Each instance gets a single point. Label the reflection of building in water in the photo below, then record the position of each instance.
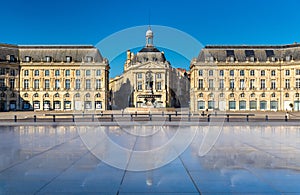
(251, 146)
(149, 80)
(246, 78)
(54, 77)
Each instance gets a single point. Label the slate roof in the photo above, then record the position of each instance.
(58, 53)
(246, 52)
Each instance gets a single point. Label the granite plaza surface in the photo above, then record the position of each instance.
(244, 160)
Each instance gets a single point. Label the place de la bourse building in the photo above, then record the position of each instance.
(41, 77)
(246, 78)
(149, 81)
(57, 77)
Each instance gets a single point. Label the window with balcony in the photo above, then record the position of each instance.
(158, 86)
(210, 83)
(67, 84)
(262, 84)
(231, 83)
(47, 84)
(139, 86)
(77, 84)
(25, 84)
(273, 84)
(200, 84)
(98, 84)
(36, 84)
(287, 83)
(88, 84)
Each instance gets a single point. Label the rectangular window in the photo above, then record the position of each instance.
(242, 83)
(47, 72)
(36, 73)
(252, 73)
(47, 84)
(200, 72)
(57, 84)
(211, 73)
(242, 105)
(26, 84)
(88, 84)
(77, 84)
(201, 105)
(67, 84)
(158, 86)
(221, 84)
(252, 83)
(26, 72)
(139, 75)
(98, 72)
(232, 105)
(98, 84)
(36, 84)
(273, 84)
(77, 72)
(273, 73)
(287, 72)
(231, 84)
(297, 71)
(12, 83)
(253, 105)
(88, 73)
(140, 86)
(231, 73)
(68, 73)
(262, 84)
(242, 73)
(200, 84)
(57, 72)
(287, 83)
(211, 104)
(2, 83)
(221, 73)
(159, 75)
(210, 83)
(12, 72)
(273, 105)
(298, 83)
(263, 105)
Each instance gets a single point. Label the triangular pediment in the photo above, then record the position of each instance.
(150, 65)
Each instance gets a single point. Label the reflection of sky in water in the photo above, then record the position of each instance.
(251, 160)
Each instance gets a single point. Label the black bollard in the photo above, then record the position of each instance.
(247, 118)
(189, 116)
(267, 118)
(135, 113)
(176, 113)
(93, 117)
(162, 113)
(131, 118)
(286, 118)
(150, 116)
(15, 118)
(73, 118)
(53, 118)
(227, 117)
(170, 119)
(111, 117)
(208, 118)
(34, 118)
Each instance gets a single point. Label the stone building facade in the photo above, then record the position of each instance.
(55, 78)
(149, 81)
(246, 78)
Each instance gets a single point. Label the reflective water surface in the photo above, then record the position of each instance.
(55, 160)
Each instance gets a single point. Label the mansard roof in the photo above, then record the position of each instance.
(58, 53)
(245, 52)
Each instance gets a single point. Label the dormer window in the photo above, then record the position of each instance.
(48, 58)
(288, 58)
(27, 59)
(68, 59)
(89, 58)
(250, 55)
(10, 58)
(230, 55)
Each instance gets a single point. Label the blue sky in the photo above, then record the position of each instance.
(210, 22)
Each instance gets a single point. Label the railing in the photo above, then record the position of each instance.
(163, 116)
